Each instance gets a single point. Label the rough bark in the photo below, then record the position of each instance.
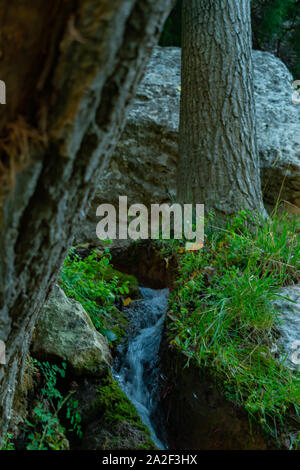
(218, 158)
(71, 68)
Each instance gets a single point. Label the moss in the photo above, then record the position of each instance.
(121, 426)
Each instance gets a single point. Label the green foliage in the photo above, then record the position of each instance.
(46, 431)
(171, 35)
(275, 12)
(93, 283)
(7, 443)
(222, 315)
(274, 22)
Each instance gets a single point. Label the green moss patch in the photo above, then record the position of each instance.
(121, 426)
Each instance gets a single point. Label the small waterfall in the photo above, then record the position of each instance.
(137, 366)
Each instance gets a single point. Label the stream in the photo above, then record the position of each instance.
(137, 366)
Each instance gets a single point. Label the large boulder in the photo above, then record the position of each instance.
(65, 331)
(289, 327)
(278, 130)
(144, 163)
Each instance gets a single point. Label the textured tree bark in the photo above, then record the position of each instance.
(71, 69)
(218, 158)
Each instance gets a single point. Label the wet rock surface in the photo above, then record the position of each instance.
(198, 416)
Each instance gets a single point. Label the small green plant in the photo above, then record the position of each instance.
(46, 430)
(91, 281)
(7, 443)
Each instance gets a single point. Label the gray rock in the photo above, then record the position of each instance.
(144, 164)
(64, 330)
(278, 129)
(289, 327)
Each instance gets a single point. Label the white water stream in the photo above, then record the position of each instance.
(137, 369)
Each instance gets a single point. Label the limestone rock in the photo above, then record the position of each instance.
(278, 129)
(289, 327)
(64, 330)
(144, 163)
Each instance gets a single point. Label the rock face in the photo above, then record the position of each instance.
(289, 327)
(198, 415)
(65, 331)
(66, 131)
(144, 163)
(278, 129)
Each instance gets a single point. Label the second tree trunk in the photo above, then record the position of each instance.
(218, 157)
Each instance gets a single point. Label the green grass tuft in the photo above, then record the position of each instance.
(223, 319)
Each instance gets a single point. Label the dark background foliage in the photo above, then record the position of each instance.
(276, 28)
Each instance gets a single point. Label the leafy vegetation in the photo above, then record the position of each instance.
(277, 28)
(53, 415)
(93, 282)
(222, 315)
(8, 443)
(275, 24)
(45, 429)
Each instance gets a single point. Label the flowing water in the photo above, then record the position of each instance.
(137, 367)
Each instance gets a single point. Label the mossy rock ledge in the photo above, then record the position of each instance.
(110, 421)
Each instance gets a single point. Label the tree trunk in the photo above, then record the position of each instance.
(218, 157)
(71, 69)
